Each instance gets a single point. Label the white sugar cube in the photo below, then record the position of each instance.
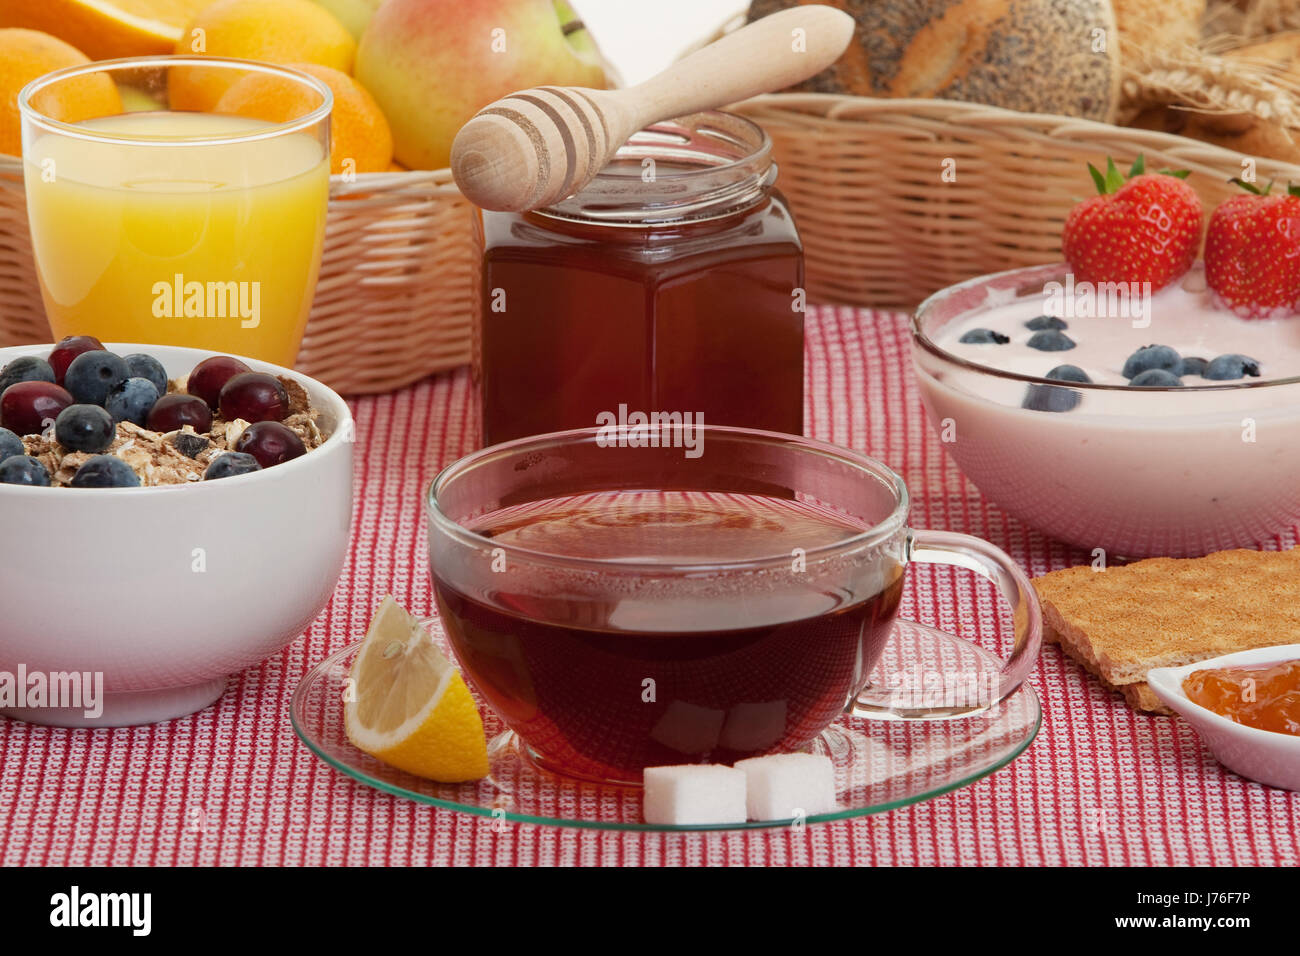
(694, 795)
(783, 786)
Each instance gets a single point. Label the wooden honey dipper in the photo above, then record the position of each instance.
(538, 146)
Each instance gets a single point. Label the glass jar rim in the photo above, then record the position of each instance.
(77, 131)
(706, 190)
(877, 533)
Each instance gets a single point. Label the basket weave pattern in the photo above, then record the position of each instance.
(22, 315)
(865, 178)
(393, 303)
(882, 228)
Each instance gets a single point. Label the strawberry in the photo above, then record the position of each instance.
(1146, 228)
(1252, 252)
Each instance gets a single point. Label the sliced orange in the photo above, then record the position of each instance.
(106, 29)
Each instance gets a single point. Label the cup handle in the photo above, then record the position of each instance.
(974, 554)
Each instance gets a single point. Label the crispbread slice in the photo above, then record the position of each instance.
(1138, 695)
(1164, 612)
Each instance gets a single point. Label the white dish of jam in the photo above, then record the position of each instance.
(1245, 706)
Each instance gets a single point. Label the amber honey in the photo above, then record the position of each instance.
(673, 284)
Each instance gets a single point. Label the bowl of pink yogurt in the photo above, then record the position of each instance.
(1201, 455)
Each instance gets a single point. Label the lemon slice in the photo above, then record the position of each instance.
(408, 705)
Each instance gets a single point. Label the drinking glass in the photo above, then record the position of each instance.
(157, 224)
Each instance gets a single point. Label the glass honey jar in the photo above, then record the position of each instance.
(672, 283)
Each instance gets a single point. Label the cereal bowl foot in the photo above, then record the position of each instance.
(127, 709)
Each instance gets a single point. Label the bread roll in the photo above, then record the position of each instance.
(1041, 56)
(1157, 25)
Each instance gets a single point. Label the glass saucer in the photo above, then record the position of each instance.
(880, 764)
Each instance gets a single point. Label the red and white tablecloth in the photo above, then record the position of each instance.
(232, 784)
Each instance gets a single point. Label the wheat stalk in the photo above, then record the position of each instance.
(1195, 80)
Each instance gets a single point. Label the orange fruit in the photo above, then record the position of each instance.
(271, 31)
(27, 54)
(358, 130)
(106, 29)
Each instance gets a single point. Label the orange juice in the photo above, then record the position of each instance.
(185, 241)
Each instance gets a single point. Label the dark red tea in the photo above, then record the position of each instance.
(576, 318)
(603, 675)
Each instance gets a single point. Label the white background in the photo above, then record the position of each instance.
(641, 37)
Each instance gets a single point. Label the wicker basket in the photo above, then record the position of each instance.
(882, 228)
(880, 224)
(394, 299)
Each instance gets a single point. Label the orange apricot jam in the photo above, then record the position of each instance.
(1266, 696)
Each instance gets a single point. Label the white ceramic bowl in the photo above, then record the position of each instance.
(166, 591)
(1262, 755)
(1137, 472)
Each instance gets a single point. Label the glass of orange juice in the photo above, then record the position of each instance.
(155, 222)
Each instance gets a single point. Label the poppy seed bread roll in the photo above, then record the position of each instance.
(1039, 56)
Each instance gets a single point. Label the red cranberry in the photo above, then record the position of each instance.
(254, 397)
(25, 408)
(173, 412)
(68, 349)
(270, 443)
(210, 375)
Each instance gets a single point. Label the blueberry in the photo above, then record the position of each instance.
(1068, 373)
(146, 366)
(1050, 340)
(1050, 398)
(26, 368)
(229, 464)
(105, 471)
(1193, 366)
(984, 337)
(1227, 367)
(132, 400)
(1046, 322)
(10, 444)
(22, 470)
(1153, 357)
(92, 375)
(85, 428)
(1155, 378)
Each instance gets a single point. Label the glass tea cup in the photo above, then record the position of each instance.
(156, 218)
(679, 594)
